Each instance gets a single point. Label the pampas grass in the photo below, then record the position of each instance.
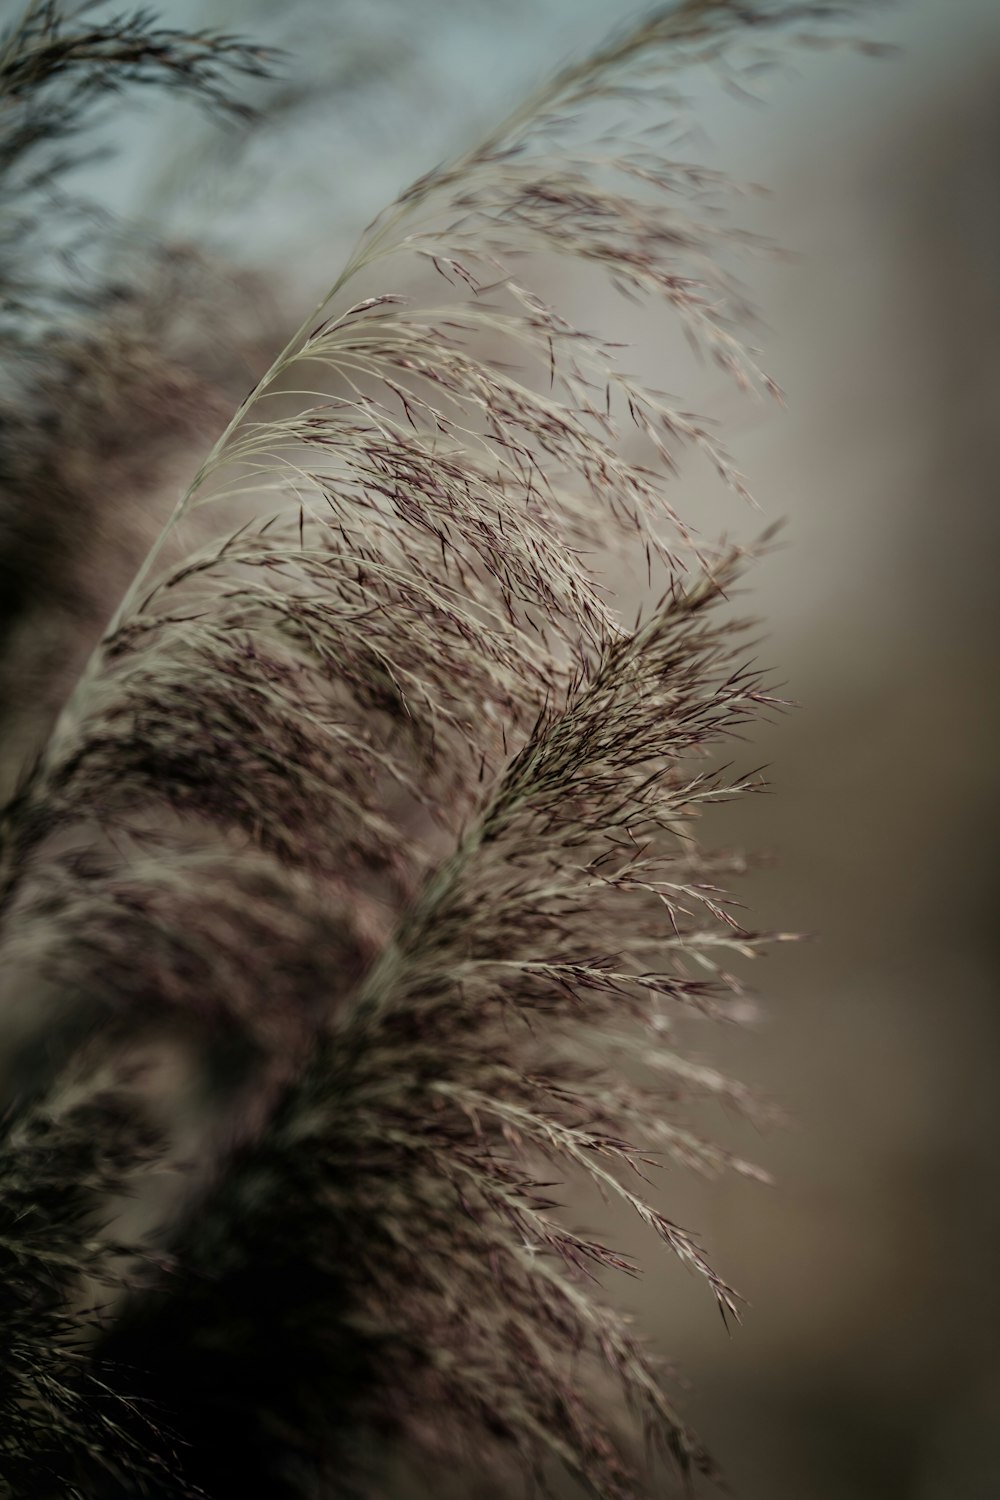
(366, 841)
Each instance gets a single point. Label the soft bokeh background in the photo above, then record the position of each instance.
(869, 1361)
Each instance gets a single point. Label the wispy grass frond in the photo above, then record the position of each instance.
(370, 791)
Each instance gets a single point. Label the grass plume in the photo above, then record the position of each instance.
(372, 813)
